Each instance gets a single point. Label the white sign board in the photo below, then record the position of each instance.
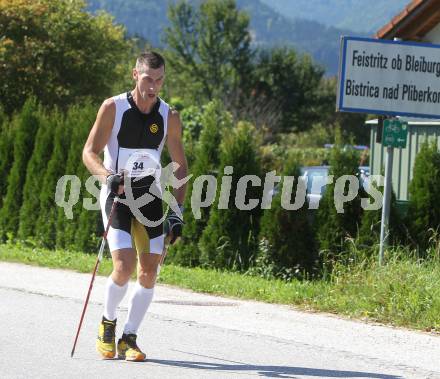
(389, 77)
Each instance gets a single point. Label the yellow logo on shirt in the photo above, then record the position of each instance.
(154, 128)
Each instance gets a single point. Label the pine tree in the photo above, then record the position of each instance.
(46, 226)
(214, 120)
(3, 118)
(88, 223)
(286, 235)
(27, 123)
(424, 195)
(35, 172)
(333, 228)
(6, 152)
(369, 232)
(230, 239)
(79, 120)
(89, 231)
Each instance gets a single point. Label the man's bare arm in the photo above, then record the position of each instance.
(175, 148)
(98, 138)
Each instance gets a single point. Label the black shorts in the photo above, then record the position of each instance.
(143, 225)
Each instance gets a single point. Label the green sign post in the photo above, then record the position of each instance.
(394, 133)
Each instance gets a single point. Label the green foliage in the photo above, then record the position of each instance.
(369, 231)
(192, 125)
(89, 230)
(56, 51)
(311, 156)
(26, 125)
(3, 119)
(75, 233)
(6, 153)
(29, 202)
(289, 82)
(351, 125)
(45, 228)
(283, 250)
(209, 48)
(192, 122)
(230, 240)
(317, 136)
(275, 155)
(424, 194)
(334, 228)
(34, 174)
(212, 122)
(88, 223)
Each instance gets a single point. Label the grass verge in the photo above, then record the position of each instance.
(405, 292)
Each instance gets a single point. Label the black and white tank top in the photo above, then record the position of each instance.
(137, 138)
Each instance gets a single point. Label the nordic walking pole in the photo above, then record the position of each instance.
(98, 261)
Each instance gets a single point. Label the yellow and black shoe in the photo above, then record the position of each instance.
(105, 343)
(128, 349)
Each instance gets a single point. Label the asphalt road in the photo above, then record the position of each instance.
(190, 335)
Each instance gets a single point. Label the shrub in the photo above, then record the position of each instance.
(286, 236)
(35, 172)
(45, 230)
(79, 120)
(6, 153)
(214, 119)
(369, 232)
(333, 228)
(230, 240)
(26, 124)
(424, 194)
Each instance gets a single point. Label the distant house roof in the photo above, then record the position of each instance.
(417, 19)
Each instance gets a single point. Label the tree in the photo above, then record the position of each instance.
(89, 230)
(286, 238)
(352, 125)
(56, 51)
(424, 194)
(192, 126)
(213, 121)
(26, 126)
(6, 153)
(45, 230)
(209, 47)
(79, 120)
(369, 232)
(289, 82)
(3, 119)
(230, 239)
(333, 228)
(35, 171)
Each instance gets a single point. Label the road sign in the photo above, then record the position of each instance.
(394, 78)
(395, 133)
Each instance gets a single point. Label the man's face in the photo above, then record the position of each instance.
(149, 81)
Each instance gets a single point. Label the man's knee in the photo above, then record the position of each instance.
(123, 268)
(148, 272)
(147, 275)
(122, 271)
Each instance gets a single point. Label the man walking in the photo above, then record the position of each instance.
(132, 129)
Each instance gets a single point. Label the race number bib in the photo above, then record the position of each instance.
(139, 162)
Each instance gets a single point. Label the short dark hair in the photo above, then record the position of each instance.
(151, 59)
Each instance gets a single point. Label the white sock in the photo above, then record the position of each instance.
(113, 296)
(139, 303)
